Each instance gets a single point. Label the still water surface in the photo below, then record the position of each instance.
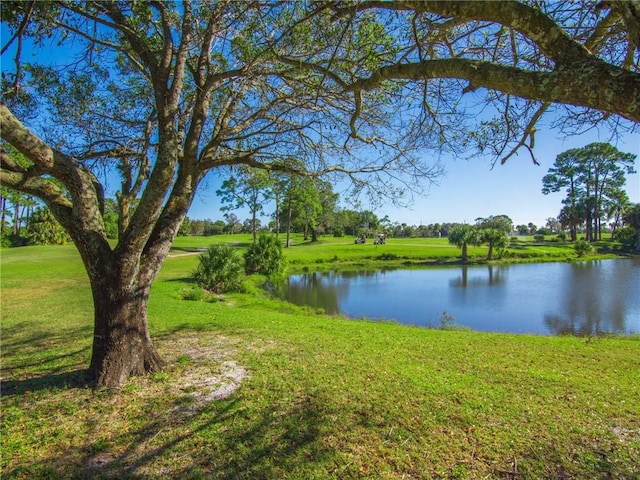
(549, 298)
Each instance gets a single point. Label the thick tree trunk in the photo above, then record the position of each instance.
(122, 345)
(574, 232)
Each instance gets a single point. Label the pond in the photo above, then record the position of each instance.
(583, 298)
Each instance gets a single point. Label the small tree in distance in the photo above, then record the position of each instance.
(246, 187)
(632, 219)
(582, 248)
(495, 238)
(593, 178)
(494, 231)
(44, 229)
(463, 235)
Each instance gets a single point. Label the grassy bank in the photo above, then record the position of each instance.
(338, 253)
(258, 389)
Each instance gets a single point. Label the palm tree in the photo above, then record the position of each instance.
(494, 238)
(463, 235)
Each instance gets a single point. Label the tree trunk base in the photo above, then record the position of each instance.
(124, 358)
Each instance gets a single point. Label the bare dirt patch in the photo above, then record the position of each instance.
(209, 371)
(627, 434)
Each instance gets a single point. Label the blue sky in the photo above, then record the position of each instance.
(472, 189)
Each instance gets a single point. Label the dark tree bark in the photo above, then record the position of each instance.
(122, 345)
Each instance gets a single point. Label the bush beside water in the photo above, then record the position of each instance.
(266, 256)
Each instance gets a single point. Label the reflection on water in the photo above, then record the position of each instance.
(495, 275)
(595, 300)
(557, 298)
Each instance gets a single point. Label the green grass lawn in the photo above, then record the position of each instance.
(257, 389)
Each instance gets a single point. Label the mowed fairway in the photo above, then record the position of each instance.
(257, 389)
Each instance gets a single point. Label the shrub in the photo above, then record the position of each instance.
(538, 238)
(196, 293)
(44, 229)
(266, 256)
(582, 248)
(219, 269)
(13, 240)
(627, 237)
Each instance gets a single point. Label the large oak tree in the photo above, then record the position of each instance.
(162, 93)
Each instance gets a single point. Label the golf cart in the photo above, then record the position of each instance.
(381, 240)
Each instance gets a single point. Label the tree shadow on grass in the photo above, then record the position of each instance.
(65, 380)
(220, 440)
(49, 358)
(28, 350)
(17, 336)
(303, 244)
(23, 332)
(187, 280)
(157, 426)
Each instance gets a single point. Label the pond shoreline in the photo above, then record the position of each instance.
(391, 261)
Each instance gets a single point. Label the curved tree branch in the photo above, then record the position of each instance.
(15, 133)
(579, 77)
(529, 21)
(79, 190)
(37, 186)
(568, 84)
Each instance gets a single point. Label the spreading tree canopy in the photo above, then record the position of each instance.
(578, 61)
(162, 93)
